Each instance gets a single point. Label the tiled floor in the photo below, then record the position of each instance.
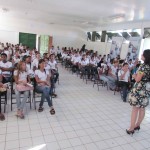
(86, 119)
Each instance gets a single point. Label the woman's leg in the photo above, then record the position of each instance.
(26, 95)
(140, 117)
(134, 115)
(40, 89)
(124, 89)
(46, 92)
(18, 100)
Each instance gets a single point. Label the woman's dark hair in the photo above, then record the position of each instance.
(40, 61)
(146, 55)
(125, 64)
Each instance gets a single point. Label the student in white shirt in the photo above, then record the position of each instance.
(131, 65)
(21, 78)
(75, 62)
(2, 117)
(112, 75)
(93, 65)
(43, 86)
(52, 50)
(29, 66)
(59, 51)
(35, 62)
(84, 65)
(6, 68)
(16, 57)
(124, 79)
(54, 73)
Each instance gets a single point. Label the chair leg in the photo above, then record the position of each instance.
(30, 99)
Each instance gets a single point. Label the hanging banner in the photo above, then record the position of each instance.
(116, 46)
(134, 47)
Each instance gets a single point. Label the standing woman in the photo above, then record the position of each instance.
(21, 77)
(43, 86)
(139, 95)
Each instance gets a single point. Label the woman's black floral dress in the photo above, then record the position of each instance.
(138, 95)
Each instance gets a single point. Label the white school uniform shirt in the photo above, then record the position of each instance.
(52, 64)
(29, 69)
(93, 62)
(35, 63)
(76, 59)
(42, 75)
(47, 67)
(113, 70)
(52, 51)
(16, 60)
(130, 65)
(22, 75)
(83, 62)
(8, 64)
(126, 77)
(59, 51)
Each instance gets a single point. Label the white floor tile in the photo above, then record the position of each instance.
(64, 144)
(75, 142)
(12, 145)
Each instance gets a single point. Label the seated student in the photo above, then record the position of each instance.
(124, 80)
(16, 57)
(2, 88)
(53, 67)
(6, 67)
(59, 51)
(102, 72)
(83, 65)
(36, 61)
(93, 65)
(75, 62)
(112, 75)
(47, 66)
(29, 66)
(21, 78)
(43, 86)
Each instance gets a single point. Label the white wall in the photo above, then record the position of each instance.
(68, 41)
(97, 46)
(108, 47)
(9, 36)
(62, 35)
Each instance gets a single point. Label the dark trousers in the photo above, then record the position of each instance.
(124, 86)
(46, 91)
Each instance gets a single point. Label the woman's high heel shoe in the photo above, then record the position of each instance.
(137, 128)
(130, 132)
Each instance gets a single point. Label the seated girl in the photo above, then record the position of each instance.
(21, 77)
(84, 65)
(43, 86)
(2, 89)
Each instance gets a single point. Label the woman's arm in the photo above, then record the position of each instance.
(38, 80)
(28, 79)
(138, 76)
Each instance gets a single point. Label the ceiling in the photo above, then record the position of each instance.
(83, 14)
